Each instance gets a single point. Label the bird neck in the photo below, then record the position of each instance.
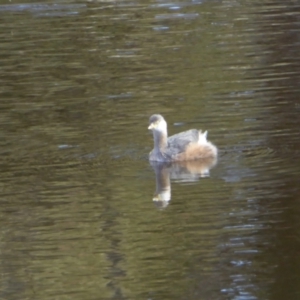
(160, 140)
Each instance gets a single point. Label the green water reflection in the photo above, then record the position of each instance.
(78, 84)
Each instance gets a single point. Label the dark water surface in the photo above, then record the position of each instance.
(78, 82)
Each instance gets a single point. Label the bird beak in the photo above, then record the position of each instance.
(150, 126)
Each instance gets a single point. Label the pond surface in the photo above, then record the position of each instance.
(78, 82)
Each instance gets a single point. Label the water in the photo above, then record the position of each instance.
(78, 82)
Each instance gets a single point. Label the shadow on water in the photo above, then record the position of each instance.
(78, 84)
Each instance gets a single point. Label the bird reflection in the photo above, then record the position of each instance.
(187, 171)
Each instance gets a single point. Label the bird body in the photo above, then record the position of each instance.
(188, 145)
